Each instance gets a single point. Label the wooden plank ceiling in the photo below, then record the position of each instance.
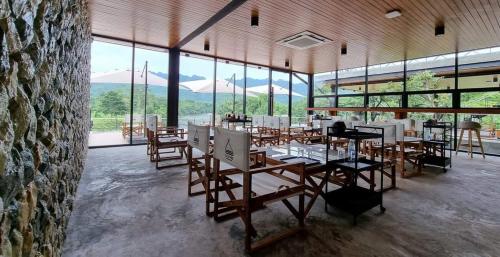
(370, 37)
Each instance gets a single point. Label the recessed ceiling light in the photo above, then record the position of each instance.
(393, 14)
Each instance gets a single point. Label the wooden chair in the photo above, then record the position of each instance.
(199, 159)
(393, 133)
(268, 134)
(261, 185)
(167, 141)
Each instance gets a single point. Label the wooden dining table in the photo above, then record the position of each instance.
(410, 150)
(316, 170)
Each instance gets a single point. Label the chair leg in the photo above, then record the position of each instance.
(247, 210)
(470, 143)
(459, 141)
(480, 143)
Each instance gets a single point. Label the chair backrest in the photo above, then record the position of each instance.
(409, 124)
(336, 118)
(310, 118)
(218, 121)
(316, 123)
(267, 121)
(152, 123)
(419, 126)
(272, 122)
(284, 122)
(325, 125)
(138, 118)
(393, 132)
(126, 118)
(199, 137)
(357, 123)
(232, 147)
(258, 120)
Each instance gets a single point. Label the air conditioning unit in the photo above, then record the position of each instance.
(304, 40)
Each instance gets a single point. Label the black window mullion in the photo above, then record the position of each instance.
(404, 98)
(132, 94)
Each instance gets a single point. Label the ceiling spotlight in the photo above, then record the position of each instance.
(343, 49)
(495, 79)
(439, 30)
(254, 21)
(393, 14)
(287, 63)
(206, 46)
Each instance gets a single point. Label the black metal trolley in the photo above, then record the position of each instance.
(437, 145)
(352, 198)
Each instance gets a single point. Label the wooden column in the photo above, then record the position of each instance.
(400, 115)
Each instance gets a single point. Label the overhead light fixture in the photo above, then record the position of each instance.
(393, 14)
(495, 79)
(287, 63)
(254, 21)
(206, 46)
(439, 30)
(343, 49)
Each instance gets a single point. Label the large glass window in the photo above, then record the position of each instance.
(229, 88)
(196, 90)
(351, 81)
(111, 80)
(324, 83)
(431, 73)
(441, 100)
(351, 101)
(150, 88)
(488, 99)
(380, 116)
(393, 101)
(387, 77)
(280, 84)
(324, 102)
(299, 99)
(257, 91)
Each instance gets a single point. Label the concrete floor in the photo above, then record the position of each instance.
(125, 207)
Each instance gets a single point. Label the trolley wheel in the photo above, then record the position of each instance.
(382, 209)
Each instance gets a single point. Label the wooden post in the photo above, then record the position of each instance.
(400, 115)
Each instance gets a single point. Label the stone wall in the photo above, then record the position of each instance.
(44, 120)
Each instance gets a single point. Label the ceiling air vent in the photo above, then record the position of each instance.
(304, 40)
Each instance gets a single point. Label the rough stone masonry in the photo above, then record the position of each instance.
(44, 120)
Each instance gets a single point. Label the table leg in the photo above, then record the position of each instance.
(402, 159)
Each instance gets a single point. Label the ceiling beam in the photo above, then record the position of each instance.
(229, 8)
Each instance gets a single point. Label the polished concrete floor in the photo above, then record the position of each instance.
(125, 207)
